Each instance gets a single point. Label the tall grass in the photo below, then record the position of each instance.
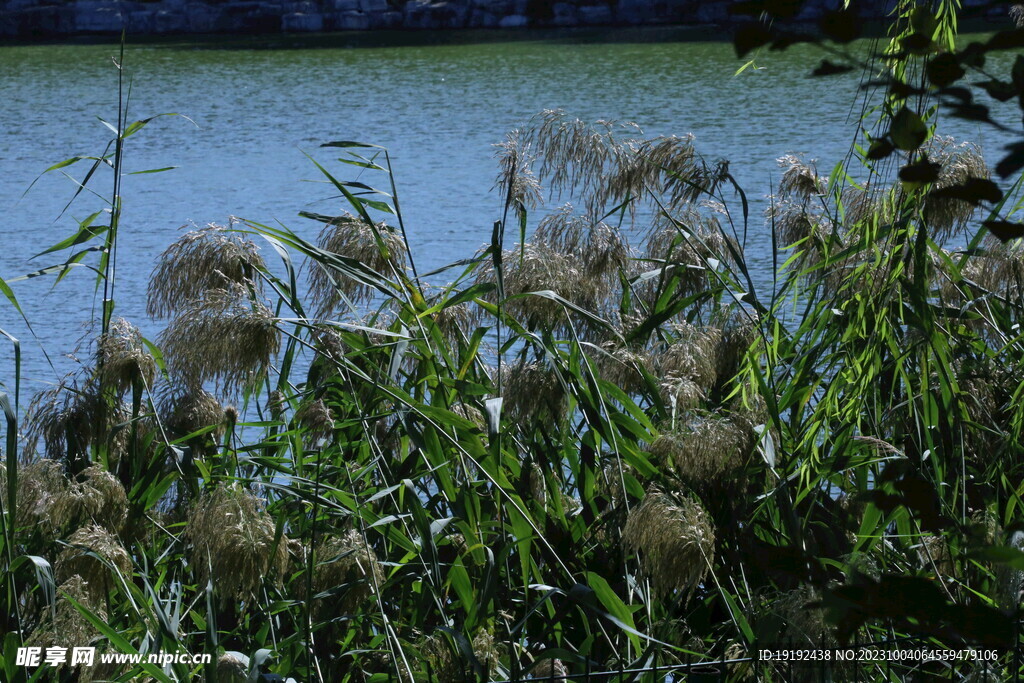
(579, 455)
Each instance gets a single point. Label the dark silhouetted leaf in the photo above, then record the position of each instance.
(783, 9)
(1017, 74)
(840, 26)
(750, 37)
(972, 190)
(880, 148)
(917, 43)
(827, 68)
(1012, 162)
(998, 90)
(944, 70)
(1005, 230)
(908, 131)
(1006, 40)
(922, 171)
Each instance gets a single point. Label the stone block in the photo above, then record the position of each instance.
(99, 18)
(353, 21)
(595, 15)
(166, 21)
(300, 22)
(373, 5)
(514, 21)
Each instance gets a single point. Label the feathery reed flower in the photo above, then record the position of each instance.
(95, 496)
(516, 180)
(537, 267)
(187, 410)
(232, 669)
(315, 417)
(687, 242)
(76, 559)
(675, 539)
(65, 626)
(233, 542)
(533, 394)
(345, 561)
(122, 359)
(223, 337)
(549, 669)
(706, 451)
(595, 162)
(70, 417)
(958, 162)
(208, 258)
(353, 238)
(623, 367)
(1017, 14)
(448, 665)
(692, 355)
(800, 179)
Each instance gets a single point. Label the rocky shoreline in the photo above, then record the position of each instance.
(47, 19)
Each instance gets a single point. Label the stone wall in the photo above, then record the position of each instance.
(29, 19)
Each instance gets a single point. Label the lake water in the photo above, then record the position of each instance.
(438, 102)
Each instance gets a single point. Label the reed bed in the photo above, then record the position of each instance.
(582, 454)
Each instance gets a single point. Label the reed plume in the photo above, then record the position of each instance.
(533, 394)
(79, 558)
(210, 258)
(345, 562)
(233, 543)
(516, 180)
(958, 162)
(1017, 15)
(65, 626)
(707, 451)
(187, 410)
(224, 338)
(122, 359)
(353, 238)
(675, 539)
(74, 415)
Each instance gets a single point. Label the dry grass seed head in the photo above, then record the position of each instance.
(624, 368)
(706, 451)
(675, 539)
(516, 179)
(75, 559)
(185, 411)
(804, 625)
(224, 338)
(66, 626)
(315, 417)
(233, 542)
(231, 669)
(800, 179)
(533, 394)
(1017, 15)
(691, 242)
(204, 259)
(353, 238)
(958, 162)
(599, 247)
(549, 669)
(95, 496)
(692, 355)
(40, 484)
(538, 267)
(345, 561)
(122, 358)
(67, 419)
